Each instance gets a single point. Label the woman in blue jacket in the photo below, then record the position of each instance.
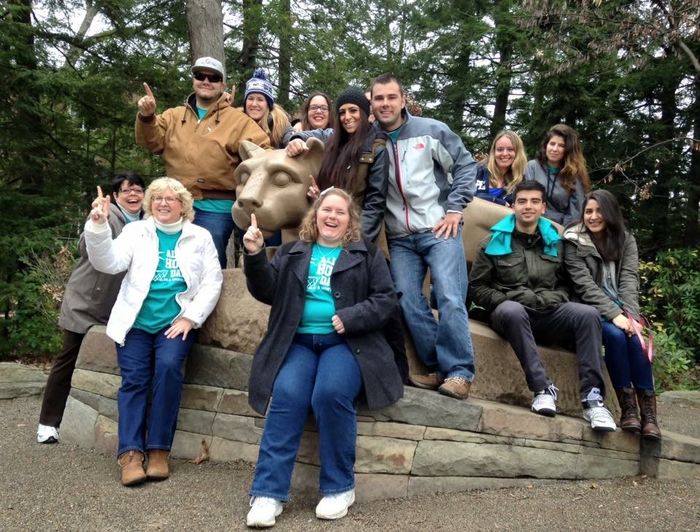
(503, 169)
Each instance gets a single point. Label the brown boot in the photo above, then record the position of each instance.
(131, 463)
(647, 406)
(629, 419)
(158, 468)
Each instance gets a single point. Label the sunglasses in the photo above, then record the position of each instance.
(212, 78)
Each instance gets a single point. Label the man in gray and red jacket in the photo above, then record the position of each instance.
(431, 180)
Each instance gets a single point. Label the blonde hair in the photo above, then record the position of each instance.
(279, 119)
(160, 185)
(308, 231)
(515, 173)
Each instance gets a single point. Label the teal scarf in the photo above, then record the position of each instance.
(502, 235)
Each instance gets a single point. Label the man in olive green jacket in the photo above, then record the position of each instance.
(519, 278)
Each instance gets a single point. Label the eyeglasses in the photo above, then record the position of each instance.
(166, 199)
(135, 190)
(212, 78)
(322, 108)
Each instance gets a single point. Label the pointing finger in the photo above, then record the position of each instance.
(99, 192)
(253, 221)
(147, 89)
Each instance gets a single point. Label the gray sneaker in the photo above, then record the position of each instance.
(600, 418)
(544, 402)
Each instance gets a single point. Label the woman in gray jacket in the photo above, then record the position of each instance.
(602, 260)
(561, 168)
(87, 301)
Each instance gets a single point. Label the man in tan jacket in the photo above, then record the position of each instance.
(199, 142)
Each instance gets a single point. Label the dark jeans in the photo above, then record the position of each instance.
(627, 364)
(58, 383)
(150, 364)
(319, 373)
(523, 327)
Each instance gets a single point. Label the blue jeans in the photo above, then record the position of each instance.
(319, 372)
(627, 364)
(150, 361)
(444, 345)
(220, 226)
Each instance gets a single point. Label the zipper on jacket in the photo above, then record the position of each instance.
(397, 174)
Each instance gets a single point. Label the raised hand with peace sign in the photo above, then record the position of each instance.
(253, 237)
(147, 104)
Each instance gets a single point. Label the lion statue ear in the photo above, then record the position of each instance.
(248, 149)
(315, 151)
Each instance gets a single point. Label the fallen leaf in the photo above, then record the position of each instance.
(203, 455)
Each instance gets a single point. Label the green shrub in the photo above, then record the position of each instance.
(670, 297)
(32, 329)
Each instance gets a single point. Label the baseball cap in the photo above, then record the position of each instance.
(208, 63)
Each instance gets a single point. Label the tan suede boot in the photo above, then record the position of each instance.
(131, 463)
(158, 468)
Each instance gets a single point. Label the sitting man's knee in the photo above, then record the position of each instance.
(509, 310)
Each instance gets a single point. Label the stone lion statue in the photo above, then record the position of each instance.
(273, 186)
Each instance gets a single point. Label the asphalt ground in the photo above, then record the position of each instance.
(63, 487)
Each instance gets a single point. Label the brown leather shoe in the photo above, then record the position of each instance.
(431, 381)
(158, 468)
(629, 418)
(131, 463)
(647, 406)
(457, 387)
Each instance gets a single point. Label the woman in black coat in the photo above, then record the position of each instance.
(330, 294)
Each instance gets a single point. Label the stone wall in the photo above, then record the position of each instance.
(425, 443)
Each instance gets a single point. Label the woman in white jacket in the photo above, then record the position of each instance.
(173, 280)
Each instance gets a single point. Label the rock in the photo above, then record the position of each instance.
(17, 380)
(78, 425)
(212, 366)
(426, 407)
(98, 352)
(238, 321)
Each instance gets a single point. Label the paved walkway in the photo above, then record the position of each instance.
(61, 487)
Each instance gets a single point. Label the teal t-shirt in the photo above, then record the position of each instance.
(394, 135)
(319, 306)
(160, 307)
(201, 113)
(214, 205)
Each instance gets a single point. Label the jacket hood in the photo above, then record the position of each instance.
(225, 100)
(502, 236)
(577, 233)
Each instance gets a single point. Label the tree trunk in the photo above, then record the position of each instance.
(504, 71)
(692, 229)
(205, 24)
(285, 55)
(252, 25)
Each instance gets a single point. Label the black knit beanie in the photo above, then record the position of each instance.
(353, 95)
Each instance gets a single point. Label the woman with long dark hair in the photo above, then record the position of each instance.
(561, 167)
(602, 259)
(354, 158)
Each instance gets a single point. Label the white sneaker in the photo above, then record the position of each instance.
(335, 506)
(46, 434)
(263, 512)
(544, 402)
(600, 417)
